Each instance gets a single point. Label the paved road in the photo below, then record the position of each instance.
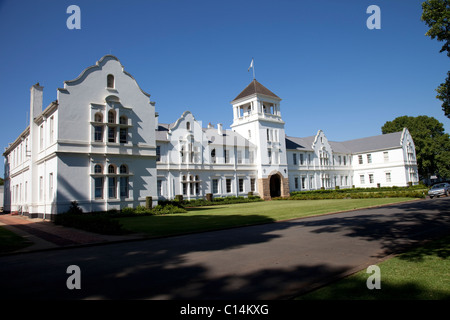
(272, 261)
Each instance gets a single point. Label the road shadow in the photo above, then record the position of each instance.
(181, 267)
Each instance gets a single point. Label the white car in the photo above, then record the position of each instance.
(439, 189)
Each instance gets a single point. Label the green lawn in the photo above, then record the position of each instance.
(9, 241)
(226, 216)
(419, 274)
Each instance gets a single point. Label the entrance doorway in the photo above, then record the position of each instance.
(275, 186)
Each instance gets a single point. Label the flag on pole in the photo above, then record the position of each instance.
(251, 65)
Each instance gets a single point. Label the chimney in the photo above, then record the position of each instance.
(156, 120)
(219, 129)
(36, 99)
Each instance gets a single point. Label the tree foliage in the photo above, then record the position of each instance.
(436, 14)
(444, 95)
(432, 143)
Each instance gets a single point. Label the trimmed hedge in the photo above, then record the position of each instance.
(361, 193)
(219, 201)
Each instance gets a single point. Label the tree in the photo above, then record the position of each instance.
(432, 143)
(444, 95)
(436, 14)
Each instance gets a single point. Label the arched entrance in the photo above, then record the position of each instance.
(275, 186)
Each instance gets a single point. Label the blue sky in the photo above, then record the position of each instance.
(331, 71)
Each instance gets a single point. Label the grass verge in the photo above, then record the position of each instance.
(422, 273)
(227, 216)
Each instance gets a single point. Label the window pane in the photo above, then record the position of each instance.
(111, 134)
(123, 135)
(124, 187)
(98, 188)
(112, 192)
(98, 133)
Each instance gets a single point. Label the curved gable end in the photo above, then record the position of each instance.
(99, 65)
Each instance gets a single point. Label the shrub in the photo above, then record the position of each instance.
(74, 208)
(127, 211)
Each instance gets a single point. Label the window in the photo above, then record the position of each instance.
(197, 185)
(123, 169)
(111, 134)
(41, 136)
(252, 184)
(294, 156)
(239, 156)
(361, 177)
(303, 182)
(213, 156)
(371, 178)
(228, 183)
(111, 116)
(301, 158)
(251, 157)
(267, 135)
(98, 134)
(388, 177)
(296, 183)
(98, 168)
(112, 187)
(110, 81)
(386, 156)
(123, 135)
(123, 120)
(241, 185)
(111, 168)
(98, 187)
(124, 186)
(98, 117)
(52, 123)
(188, 126)
(158, 153)
(226, 155)
(360, 159)
(215, 186)
(369, 158)
(269, 155)
(345, 160)
(159, 187)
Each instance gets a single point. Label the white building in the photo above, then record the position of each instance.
(100, 143)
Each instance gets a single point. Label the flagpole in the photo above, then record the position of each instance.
(254, 78)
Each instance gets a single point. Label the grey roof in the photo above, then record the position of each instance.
(161, 132)
(302, 144)
(380, 142)
(255, 88)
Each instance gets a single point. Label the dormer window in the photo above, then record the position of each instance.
(110, 81)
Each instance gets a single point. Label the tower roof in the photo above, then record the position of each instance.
(255, 88)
